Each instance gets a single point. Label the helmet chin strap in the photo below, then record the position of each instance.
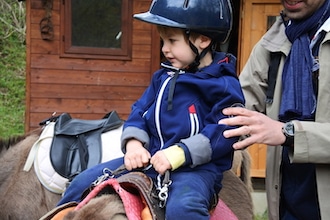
(193, 67)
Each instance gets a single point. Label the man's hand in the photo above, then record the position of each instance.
(257, 127)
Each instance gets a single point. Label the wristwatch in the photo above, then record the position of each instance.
(288, 131)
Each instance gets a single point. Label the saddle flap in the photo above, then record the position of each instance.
(131, 201)
(77, 143)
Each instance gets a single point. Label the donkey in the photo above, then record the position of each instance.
(22, 196)
(110, 206)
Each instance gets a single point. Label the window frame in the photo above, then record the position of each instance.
(123, 53)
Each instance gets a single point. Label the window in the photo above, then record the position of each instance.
(270, 21)
(97, 29)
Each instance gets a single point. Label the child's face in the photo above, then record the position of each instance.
(176, 49)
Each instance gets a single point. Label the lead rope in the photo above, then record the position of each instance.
(107, 174)
(162, 188)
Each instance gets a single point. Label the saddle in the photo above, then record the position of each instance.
(56, 160)
(135, 189)
(76, 144)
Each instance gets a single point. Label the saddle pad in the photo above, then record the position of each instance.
(136, 192)
(132, 202)
(222, 212)
(42, 165)
(40, 157)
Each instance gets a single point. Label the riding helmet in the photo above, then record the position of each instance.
(212, 18)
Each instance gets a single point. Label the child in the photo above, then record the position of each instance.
(173, 126)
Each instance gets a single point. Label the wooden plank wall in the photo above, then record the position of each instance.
(85, 88)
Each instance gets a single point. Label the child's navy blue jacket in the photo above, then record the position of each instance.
(191, 121)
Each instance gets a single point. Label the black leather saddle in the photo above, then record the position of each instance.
(77, 143)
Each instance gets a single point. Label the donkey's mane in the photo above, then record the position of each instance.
(6, 143)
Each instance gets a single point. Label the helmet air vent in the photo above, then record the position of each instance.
(185, 4)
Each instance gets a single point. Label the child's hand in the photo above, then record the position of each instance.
(160, 162)
(136, 155)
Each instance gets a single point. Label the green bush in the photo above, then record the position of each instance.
(12, 67)
(263, 216)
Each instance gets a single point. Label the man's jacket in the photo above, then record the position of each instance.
(312, 139)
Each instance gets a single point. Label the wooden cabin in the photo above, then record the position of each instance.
(91, 57)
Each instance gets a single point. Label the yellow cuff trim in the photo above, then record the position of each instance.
(175, 155)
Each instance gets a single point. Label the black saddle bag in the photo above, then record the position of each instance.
(77, 143)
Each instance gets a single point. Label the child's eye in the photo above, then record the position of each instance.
(172, 40)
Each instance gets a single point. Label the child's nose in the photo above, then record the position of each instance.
(165, 48)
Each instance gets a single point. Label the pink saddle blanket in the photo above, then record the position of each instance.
(134, 204)
(222, 212)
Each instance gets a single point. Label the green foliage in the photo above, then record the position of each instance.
(102, 19)
(262, 216)
(12, 67)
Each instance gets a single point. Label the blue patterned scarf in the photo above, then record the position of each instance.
(298, 97)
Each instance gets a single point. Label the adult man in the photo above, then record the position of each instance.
(287, 77)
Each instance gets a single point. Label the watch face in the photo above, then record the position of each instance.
(289, 129)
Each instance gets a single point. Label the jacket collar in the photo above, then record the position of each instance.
(275, 39)
(325, 27)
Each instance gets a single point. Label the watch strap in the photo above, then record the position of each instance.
(289, 141)
(289, 137)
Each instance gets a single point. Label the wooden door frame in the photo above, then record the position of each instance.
(258, 152)
(245, 19)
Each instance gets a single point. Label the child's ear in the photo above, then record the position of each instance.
(204, 41)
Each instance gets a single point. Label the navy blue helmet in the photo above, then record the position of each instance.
(212, 18)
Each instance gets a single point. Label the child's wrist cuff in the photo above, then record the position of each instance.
(175, 155)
